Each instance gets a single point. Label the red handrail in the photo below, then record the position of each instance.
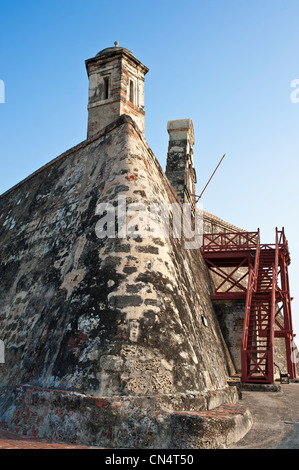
(214, 242)
(252, 285)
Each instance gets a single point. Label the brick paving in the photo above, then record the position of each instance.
(10, 440)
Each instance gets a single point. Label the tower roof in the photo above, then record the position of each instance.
(117, 50)
(113, 50)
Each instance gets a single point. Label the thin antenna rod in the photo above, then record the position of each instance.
(211, 177)
(208, 182)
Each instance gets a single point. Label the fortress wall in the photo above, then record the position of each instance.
(49, 269)
(106, 317)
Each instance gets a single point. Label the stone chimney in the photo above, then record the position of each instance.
(116, 87)
(179, 166)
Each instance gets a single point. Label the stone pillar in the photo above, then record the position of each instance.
(179, 166)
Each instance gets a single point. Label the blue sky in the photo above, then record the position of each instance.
(226, 64)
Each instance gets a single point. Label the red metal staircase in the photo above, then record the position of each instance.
(257, 273)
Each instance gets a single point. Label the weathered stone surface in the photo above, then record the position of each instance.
(103, 317)
(120, 421)
(209, 430)
(179, 166)
(230, 314)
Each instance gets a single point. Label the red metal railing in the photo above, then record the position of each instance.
(230, 241)
(232, 276)
(252, 285)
